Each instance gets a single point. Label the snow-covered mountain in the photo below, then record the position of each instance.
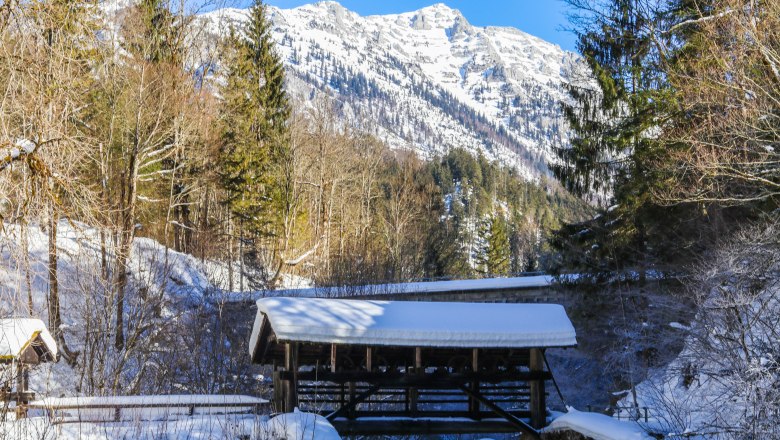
(427, 80)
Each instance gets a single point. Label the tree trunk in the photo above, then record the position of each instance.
(126, 236)
(27, 271)
(54, 295)
(55, 317)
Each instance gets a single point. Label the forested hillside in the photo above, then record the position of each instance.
(134, 142)
(680, 136)
(427, 80)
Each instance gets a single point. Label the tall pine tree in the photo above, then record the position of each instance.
(615, 152)
(254, 131)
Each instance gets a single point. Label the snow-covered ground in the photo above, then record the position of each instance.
(175, 284)
(597, 426)
(297, 426)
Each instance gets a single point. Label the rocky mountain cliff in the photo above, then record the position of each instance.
(427, 80)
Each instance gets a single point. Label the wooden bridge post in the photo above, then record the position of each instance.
(291, 384)
(21, 389)
(538, 406)
(333, 358)
(473, 402)
(414, 393)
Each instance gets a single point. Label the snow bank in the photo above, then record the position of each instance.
(415, 324)
(298, 426)
(597, 426)
(16, 334)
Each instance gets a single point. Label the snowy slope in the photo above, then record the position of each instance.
(427, 80)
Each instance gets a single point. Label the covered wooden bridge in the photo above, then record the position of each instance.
(380, 367)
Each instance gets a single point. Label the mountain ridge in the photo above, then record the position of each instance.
(427, 80)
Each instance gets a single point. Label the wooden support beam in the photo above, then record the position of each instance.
(473, 402)
(291, 384)
(519, 424)
(333, 359)
(414, 393)
(353, 402)
(21, 388)
(422, 380)
(369, 359)
(538, 406)
(279, 391)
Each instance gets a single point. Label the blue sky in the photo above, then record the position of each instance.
(542, 18)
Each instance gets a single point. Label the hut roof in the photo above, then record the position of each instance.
(414, 324)
(20, 334)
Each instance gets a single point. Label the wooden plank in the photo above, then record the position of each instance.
(369, 359)
(432, 380)
(333, 359)
(538, 404)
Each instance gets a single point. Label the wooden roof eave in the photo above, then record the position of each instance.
(37, 345)
(267, 337)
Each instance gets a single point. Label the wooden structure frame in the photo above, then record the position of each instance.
(366, 389)
(24, 343)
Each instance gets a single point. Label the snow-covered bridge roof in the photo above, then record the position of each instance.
(17, 335)
(413, 324)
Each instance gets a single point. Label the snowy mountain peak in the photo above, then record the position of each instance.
(328, 6)
(438, 16)
(428, 80)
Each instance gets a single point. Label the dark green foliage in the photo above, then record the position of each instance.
(253, 120)
(496, 254)
(614, 152)
(516, 216)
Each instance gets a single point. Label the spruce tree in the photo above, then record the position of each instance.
(496, 252)
(254, 132)
(613, 153)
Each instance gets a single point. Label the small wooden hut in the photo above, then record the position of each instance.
(383, 367)
(24, 343)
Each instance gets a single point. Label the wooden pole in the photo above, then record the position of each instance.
(414, 394)
(538, 405)
(333, 351)
(369, 359)
(21, 387)
(473, 402)
(291, 384)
